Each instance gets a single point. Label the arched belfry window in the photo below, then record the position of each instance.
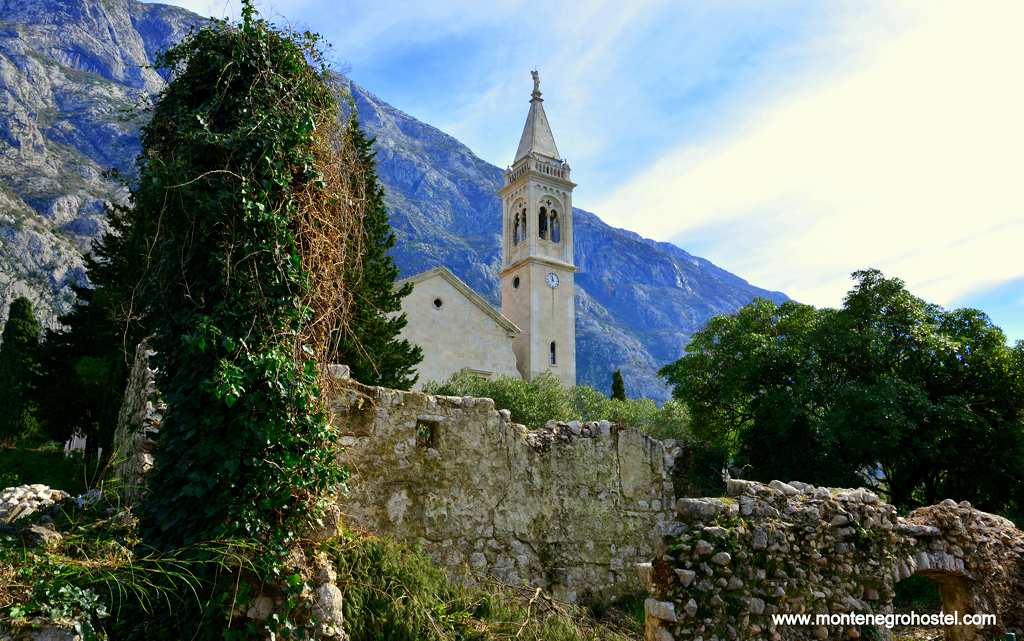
(555, 228)
(519, 226)
(542, 223)
(553, 356)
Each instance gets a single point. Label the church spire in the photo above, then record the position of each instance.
(537, 137)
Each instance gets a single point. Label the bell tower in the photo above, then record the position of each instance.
(537, 288)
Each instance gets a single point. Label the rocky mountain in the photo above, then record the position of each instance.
(75, 82)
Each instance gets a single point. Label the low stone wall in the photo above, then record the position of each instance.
(571, 507)
(729, 564)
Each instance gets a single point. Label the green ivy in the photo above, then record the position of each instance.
(244, 448)
(235, 172)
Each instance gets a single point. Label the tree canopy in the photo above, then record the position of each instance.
(889, 390)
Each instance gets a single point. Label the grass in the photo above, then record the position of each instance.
(395, 592)
(100, 573)
(45, 464)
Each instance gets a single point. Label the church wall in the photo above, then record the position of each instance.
(455, 336)
(516, 303)
(572, 507)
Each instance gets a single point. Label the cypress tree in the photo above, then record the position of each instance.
(618, 386)
(85, 362)
(371, 347)
(19, 366)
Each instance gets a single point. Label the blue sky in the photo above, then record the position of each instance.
(789, 142)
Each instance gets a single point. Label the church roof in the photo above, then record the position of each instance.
(466, 291)
(537, 137)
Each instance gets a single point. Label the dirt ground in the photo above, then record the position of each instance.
(917, 634)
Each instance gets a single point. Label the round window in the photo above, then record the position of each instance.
(515, 282)
(438, 302)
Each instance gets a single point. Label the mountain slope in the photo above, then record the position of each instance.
(74, 84)
(638, 300)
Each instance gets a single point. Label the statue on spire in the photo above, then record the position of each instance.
(536, 82)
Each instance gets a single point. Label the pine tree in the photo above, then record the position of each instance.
(618, 386)
(371, 347)
(19, 366)
(85, 363)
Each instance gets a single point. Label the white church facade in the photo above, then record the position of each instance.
(535, 331)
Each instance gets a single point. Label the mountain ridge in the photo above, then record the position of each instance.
(71, 103)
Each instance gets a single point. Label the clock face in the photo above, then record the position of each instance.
(552, 280)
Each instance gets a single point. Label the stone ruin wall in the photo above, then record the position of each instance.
(587, 510)
(138, 424)
(728, 564)
(572, 507)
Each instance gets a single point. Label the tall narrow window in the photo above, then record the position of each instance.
(553, 357)
(516, 231)
(542, 223)
(555, 228)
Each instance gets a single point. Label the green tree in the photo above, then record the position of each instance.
(889, 391)
(86, 361)
(618, 386)
(19, 367)
(371, 346)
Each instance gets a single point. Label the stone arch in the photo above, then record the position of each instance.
(955, 595)
(518, 230)
(550, 218)
(555, 227)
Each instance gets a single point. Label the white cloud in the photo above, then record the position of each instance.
(275, 10)
(909, 158)
(217, 8)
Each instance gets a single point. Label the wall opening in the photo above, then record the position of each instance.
(542, 223)
(553, 355)
(426, 433)
(556, 231)
(931, 592)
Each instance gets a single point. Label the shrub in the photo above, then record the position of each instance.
(533, 403)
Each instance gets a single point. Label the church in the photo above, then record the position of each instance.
(535, 330)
